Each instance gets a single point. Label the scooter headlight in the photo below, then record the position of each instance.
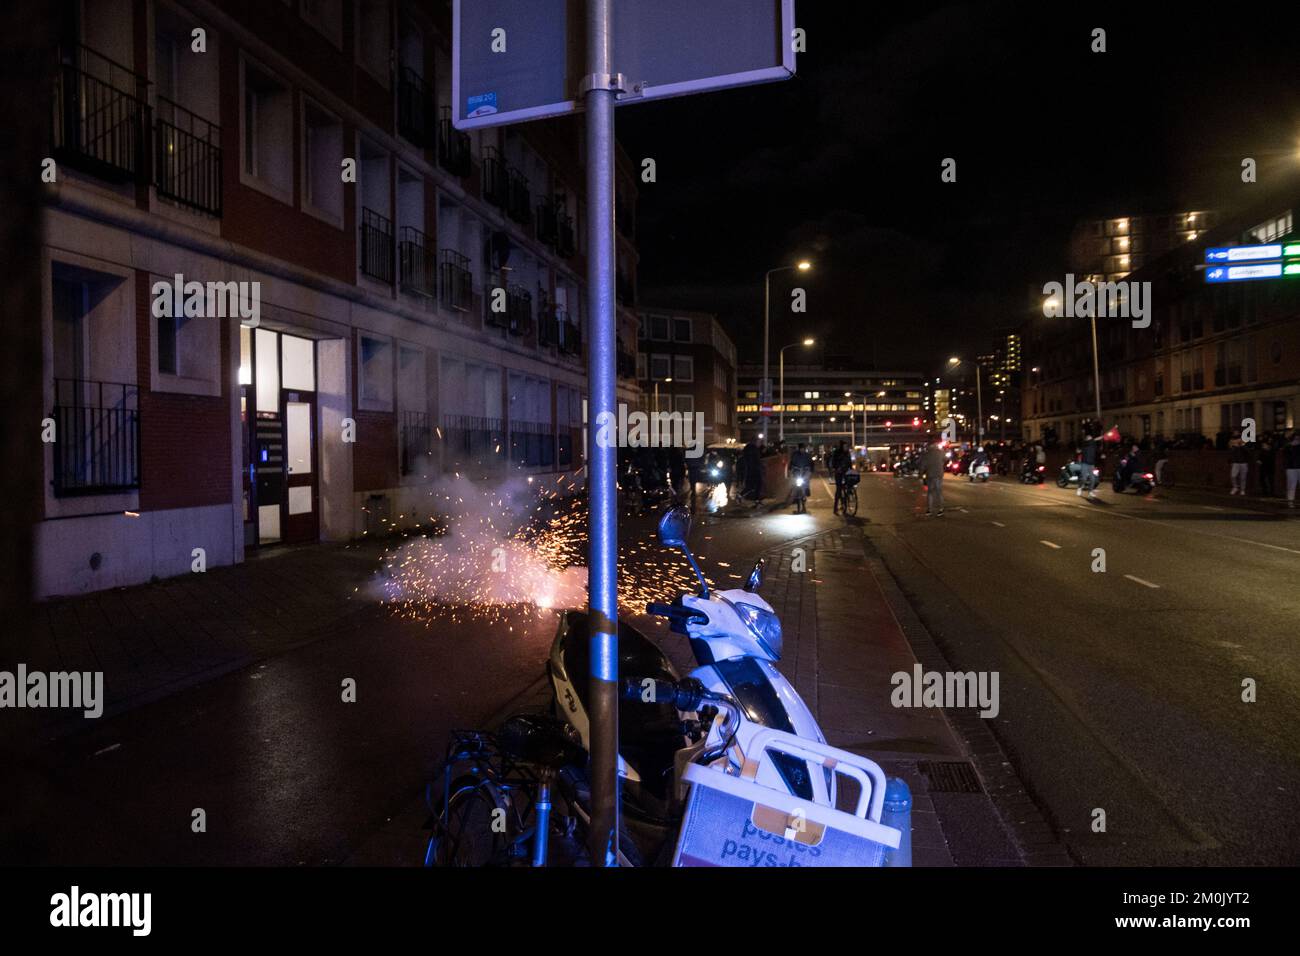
(799, 481)
(715, 471)
(764, 625)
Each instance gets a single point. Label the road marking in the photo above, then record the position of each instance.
(1142, 582)
(1049, 544)
(998, 523)
(104, 750)
(963, 511)
(1213, 508)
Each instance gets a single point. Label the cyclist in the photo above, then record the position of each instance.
(839, 465)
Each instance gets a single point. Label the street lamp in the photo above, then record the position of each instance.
(806, 343)
(803, 265)
(1055, 311)
(667, 381)
(979, 399)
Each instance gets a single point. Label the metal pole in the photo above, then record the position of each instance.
(602, 578)
(781, 426)
(763, 392)
(979, 406)
(1096, 374)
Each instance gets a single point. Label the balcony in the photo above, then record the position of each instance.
(548, 325)
(519, 206)
(453, 147)
(376, 246)
(187, 158)
(100, 121)
(469, 438)
(414, 115)
(415, 442)
(97, 437)
(532, 444)
(456, 282)
(496, 178)
(547, 222)
(569, 336)
(418, 263)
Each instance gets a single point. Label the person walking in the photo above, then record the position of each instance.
(932, 467)
(1091, 454)
(1239, 456)
(1291, 461)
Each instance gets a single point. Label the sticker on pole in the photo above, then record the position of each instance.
(531, 53)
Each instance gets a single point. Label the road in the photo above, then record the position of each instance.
(1121, 691)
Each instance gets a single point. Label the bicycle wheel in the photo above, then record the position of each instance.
(474, 832)
(851, 501)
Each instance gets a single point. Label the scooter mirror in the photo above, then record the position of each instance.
(675, 527)
(755, 577)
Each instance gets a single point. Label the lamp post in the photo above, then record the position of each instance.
(806, 343)
(979, 399)
(1052, 304)
(667, 381)
(802, 266)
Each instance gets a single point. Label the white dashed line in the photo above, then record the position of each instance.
(1050, 544)
(1142, 582)
(998, 523)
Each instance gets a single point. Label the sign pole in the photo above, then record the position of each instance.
(599, 89)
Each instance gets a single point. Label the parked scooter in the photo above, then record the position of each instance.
(722, 716)
(979, 472)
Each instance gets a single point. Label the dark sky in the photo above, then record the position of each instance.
(842, 162)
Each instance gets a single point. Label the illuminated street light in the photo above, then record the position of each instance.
(806, 343)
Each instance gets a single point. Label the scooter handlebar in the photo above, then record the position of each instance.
(676, 612)
(687, 694)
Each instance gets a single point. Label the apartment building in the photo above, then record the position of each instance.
(686, 363)
(420, 290)
(1213, 355)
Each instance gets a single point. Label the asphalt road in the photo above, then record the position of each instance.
(1121, 691)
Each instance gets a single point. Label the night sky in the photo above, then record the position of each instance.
(842, 163)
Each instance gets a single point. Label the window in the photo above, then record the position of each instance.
(684, 404)
(375, 372)
(683, 368)
(659, 328)
(640, 365)
(374, 38)
(681, 329)
(322, 154)
(267, 128)
(660, 367)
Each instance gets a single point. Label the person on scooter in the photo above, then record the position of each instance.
(980, 458)
(800, 468)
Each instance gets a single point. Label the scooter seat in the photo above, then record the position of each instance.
(649, 734)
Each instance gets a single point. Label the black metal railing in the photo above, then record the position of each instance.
(456, 282)
(418, 262)
(100, 120)
(415, 441)
(473, 439)
(569, 335)
(548, 325)
(496, 178)
(520, 204)
(532, 444)
(376, 245)
(414, 112)
(566, 244)
(96, 437)
(187, 158)
(547, 223)
(519, 310)
(453, 147)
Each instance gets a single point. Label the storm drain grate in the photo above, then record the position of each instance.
(950, 777)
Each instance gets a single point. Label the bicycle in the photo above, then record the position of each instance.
(846, 494)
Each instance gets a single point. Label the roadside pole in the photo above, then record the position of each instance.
(599, 88)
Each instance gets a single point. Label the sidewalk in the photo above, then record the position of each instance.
(847, 629)
(154, 639)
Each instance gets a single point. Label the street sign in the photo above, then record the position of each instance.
(1260, 270)
(515, 60)
(1272, 250)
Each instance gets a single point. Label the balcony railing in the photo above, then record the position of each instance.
(548, 325)
(519, 310)
(471, 439)
(97, 437)
(453, 147)
(569, 335)
(532, 444)
(416, 441)
(418, 261)
(547, 222)
(566, 244)
(520, 204)
(376, 245)
(187, 158)
(496, 178)
(456, 282)
(100, 120)
(414, 112)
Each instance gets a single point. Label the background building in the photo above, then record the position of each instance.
(380, 361)
(1109, 249)
(686, 362)
(826, 403)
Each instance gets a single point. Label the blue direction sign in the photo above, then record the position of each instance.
(1272, 250)
(1258, 270)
